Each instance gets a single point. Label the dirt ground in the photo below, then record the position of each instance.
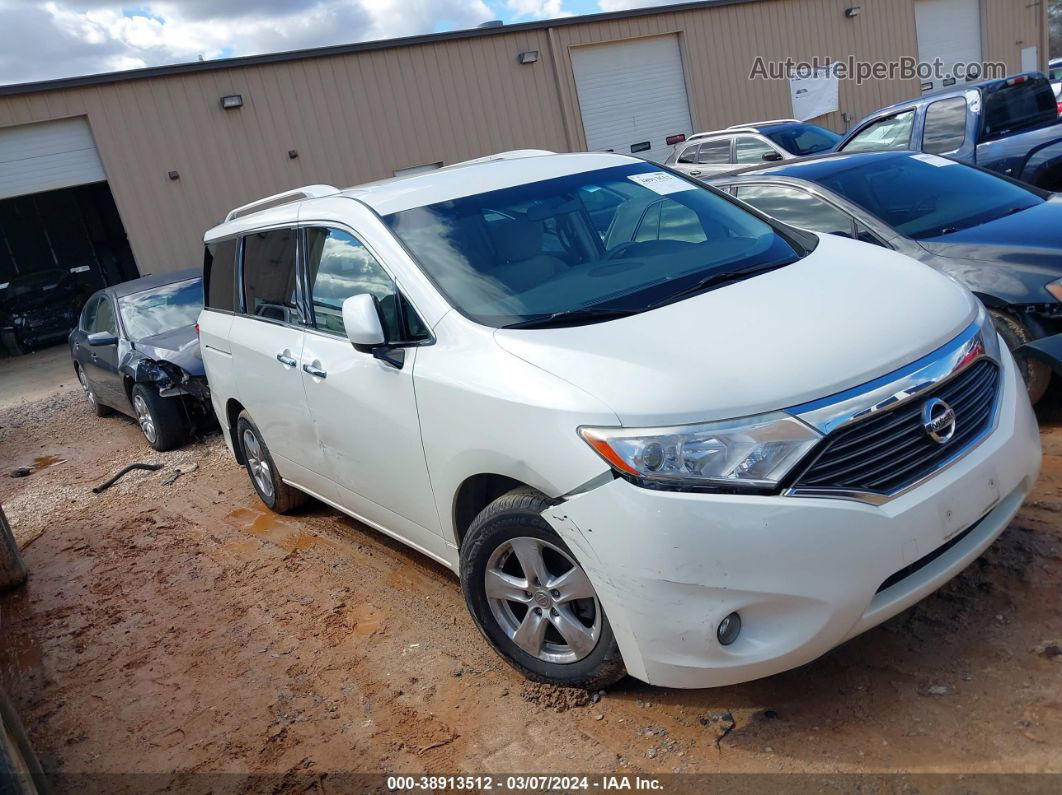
(182, 628)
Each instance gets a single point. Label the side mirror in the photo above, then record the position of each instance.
(772, 157)
(361, 321)
(98, 338)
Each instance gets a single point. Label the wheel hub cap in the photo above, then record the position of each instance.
(143, 416)
(257, 463)
(543, 600)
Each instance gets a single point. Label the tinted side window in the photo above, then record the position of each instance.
(714, 152)
(750, 150)
(269, 275)
(945, 128)
(219, 275)
(689, 155)
(104, 318)
(797, 208)
(88, 314)
(338, 266)
(891, 133)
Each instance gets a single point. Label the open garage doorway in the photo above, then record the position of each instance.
(56, 248)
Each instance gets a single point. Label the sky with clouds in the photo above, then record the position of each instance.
(65, 38)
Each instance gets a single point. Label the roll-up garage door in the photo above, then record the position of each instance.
(632, 95)
(40, 157)
(951, 31)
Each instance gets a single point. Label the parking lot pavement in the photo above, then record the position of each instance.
(35, 375)
(184, 628)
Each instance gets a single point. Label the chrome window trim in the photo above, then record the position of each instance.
(977, 342)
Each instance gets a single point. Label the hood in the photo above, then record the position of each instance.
(1029, 240)
(179, 346)
(844, 315)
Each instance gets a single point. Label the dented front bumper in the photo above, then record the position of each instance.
(805, 574)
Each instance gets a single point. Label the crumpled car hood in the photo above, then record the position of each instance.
(179, 346)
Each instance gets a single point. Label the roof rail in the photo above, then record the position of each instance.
(307, 192)
(727, 131)
(514, 154)
(765, 121)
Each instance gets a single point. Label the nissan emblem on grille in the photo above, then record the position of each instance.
(938, 418)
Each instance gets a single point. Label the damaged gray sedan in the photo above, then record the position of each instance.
(135, 350)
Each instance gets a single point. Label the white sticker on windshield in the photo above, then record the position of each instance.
(661, 182)
(935, 160)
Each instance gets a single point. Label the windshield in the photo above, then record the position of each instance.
(926, 195)
(802, 139)
(621, 238)
(1023, 104)
(161, 309)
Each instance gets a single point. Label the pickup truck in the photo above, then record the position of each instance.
(1010, 125)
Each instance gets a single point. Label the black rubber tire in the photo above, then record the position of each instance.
(94, 404)
(285, 498)
(9, 343)
(171, 428)
(519, 513)
(1037, 374)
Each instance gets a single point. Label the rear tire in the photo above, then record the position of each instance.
(161, 419)
(274, 492)
(1037, 375)
(94, 405)
(531, 599)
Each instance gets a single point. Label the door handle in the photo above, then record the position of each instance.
(286, 359)
(695, 173)
(315, 370)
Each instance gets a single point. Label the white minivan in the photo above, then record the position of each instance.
(652, 431)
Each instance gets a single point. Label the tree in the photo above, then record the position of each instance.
(12, 569)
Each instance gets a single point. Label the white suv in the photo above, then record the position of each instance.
(651, 430)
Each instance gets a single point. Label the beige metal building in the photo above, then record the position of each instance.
(176, 159)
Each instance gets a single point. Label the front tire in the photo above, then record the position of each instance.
(160, 419)
(532, 600)
(1037, 374)
(274, 492)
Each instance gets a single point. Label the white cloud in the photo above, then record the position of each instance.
(61, 38)
(537, 9)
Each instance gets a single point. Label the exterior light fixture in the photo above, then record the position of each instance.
(232, 102)
(853, 11)
(527, 57)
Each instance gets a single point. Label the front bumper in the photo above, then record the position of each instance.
(805, 574)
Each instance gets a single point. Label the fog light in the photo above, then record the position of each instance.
(729, 628)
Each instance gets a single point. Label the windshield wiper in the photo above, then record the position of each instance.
(591, 314)
(718, 280)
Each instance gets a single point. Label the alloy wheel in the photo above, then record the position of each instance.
(257, 463)
(88, 392)
(543, 600)
(143, 416)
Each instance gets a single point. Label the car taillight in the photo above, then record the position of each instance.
(197, 329)
(1017, 80)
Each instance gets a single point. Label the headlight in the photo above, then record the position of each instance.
(750, 452)
(1055, 288)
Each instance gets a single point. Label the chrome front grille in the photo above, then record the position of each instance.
(891, 450)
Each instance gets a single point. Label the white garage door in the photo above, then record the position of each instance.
(47, 156)
(632, 95)
(949, 30)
